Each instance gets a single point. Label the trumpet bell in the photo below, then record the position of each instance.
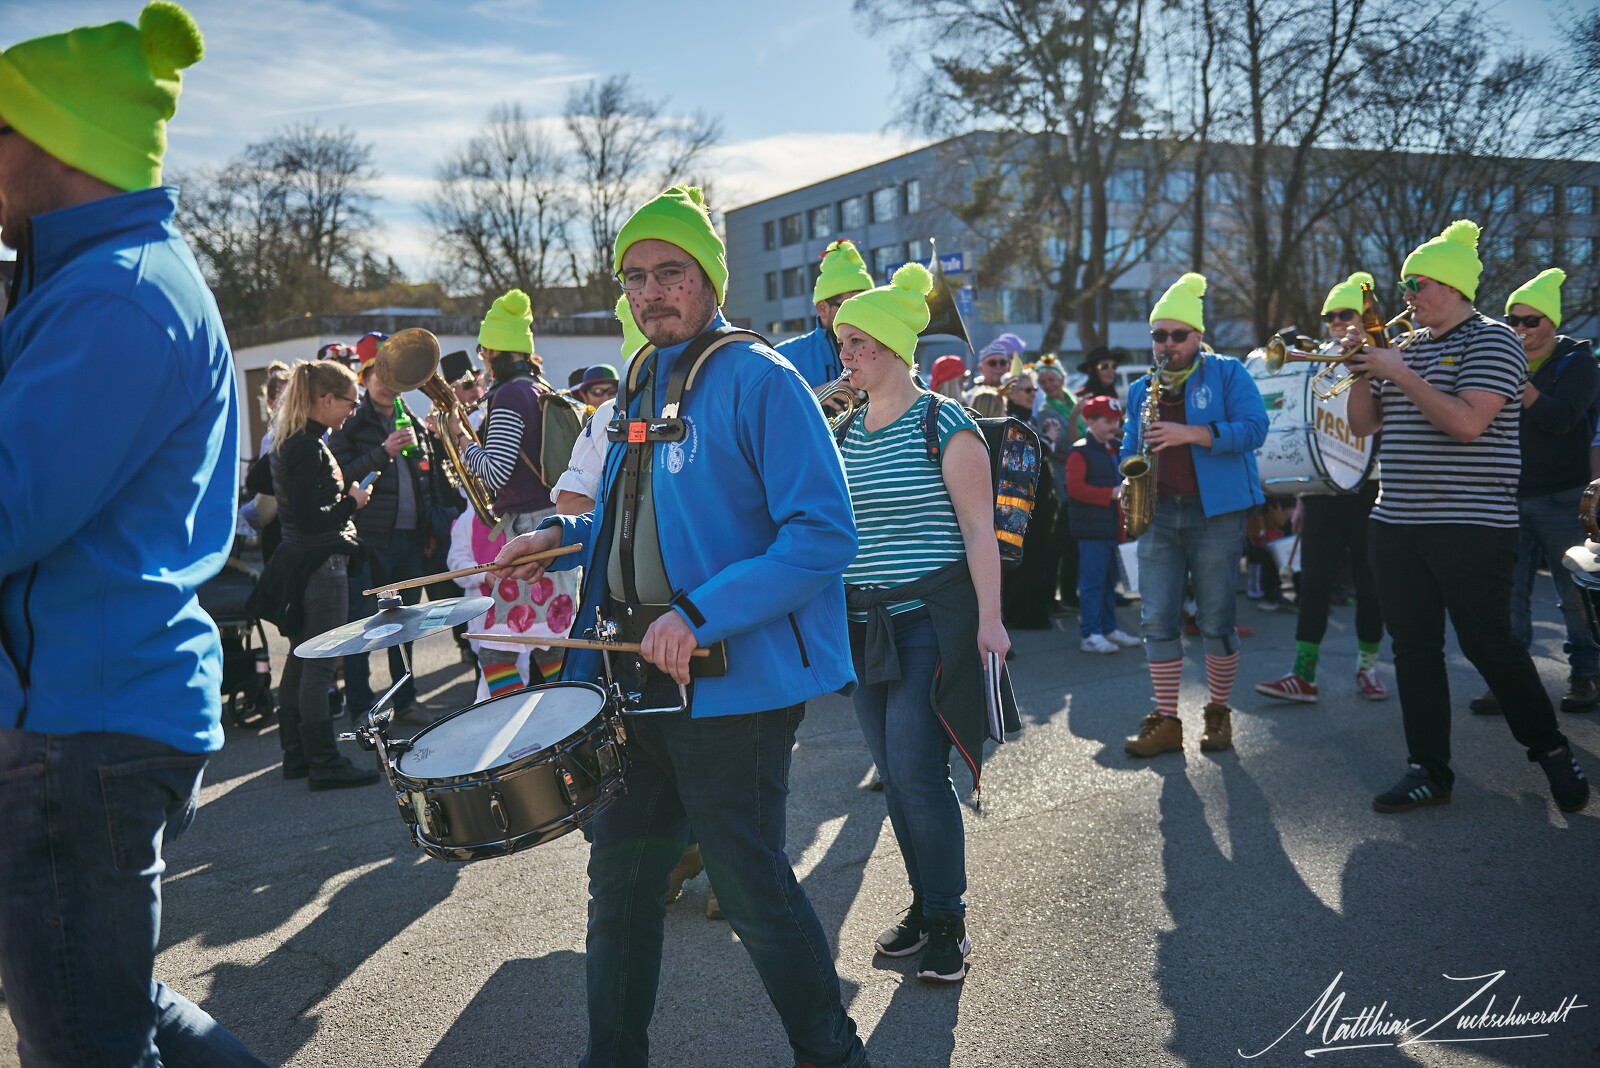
(1275, 353)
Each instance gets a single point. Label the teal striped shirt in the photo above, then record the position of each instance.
(905, 520)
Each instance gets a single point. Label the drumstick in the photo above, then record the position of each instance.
(409, 584)
(569, 643)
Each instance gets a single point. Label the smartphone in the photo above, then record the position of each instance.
(367, 482)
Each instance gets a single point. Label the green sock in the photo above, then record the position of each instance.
(1369, 655)
(1305, 659)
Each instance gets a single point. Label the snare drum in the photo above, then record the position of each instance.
(510, 773)
(1309, 448)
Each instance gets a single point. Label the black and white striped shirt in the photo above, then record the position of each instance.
(1426, 476)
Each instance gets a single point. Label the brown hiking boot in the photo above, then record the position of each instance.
(1218, 734)
(689, 865)
(1157, 734)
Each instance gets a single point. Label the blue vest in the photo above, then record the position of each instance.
(1092, 520)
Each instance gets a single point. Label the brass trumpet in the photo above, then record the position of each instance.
(1337, 377)
(839, 387)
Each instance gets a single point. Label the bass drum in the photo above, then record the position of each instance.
(1309, 448)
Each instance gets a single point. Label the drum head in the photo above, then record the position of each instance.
(500, 730)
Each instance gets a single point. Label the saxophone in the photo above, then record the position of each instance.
(1139, 470)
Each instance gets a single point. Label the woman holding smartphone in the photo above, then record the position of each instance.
(924, 601)
(304, 588)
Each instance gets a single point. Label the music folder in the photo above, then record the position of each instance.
(992, 667)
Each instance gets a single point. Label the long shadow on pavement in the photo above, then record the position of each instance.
(508, 1025)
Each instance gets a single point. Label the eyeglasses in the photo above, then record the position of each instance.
(996, 361)
(666, 274)
(1413, 284)
(602, 392)
(1178, 336)
(1023, 389)
(7, 129)
(1528, 321)
(1340, 315)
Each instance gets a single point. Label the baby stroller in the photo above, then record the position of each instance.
(246, 668)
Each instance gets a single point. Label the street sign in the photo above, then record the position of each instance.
(949, 263)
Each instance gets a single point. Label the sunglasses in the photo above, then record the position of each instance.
(1340, 315)
(997, 361)
(1023, 389)
(1413, 284)
(1179, 336)
(1528, 321)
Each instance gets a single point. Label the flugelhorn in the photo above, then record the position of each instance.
(839, 387)
(1337, 377)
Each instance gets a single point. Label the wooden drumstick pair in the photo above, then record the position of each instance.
(443, 576)
(570, 643)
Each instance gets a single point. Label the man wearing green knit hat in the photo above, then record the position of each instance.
(1199, 433)
(816, 354)
(722, 522)
(115, 515)
(1444, 532)
(1333, 530)
(1557, 421)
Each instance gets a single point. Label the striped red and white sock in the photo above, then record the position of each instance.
(1165, 675)
(1220, 671)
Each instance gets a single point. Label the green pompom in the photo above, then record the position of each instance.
(1194, 283)
(1555, 275)
(1462, 232)
(516, 302)
(169, 36)
(1362, 278)
(915, 277)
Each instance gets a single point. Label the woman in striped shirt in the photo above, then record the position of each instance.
(924, 508)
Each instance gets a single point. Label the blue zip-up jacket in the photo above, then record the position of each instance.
(756, 531)
(814, 355)
(1222, 396)
(119, 468)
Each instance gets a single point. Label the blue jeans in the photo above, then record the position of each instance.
(912, 751)
(400, 559)
(1097, 586)
(85, 817)
(1549, 528)
(729, 777)
(1182, 544)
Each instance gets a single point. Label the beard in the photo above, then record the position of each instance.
(672, 328)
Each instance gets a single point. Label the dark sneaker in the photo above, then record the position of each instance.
(1567, 784)
(1413, 791)
(1583, 694)
(944, 959)
(295, 771)
(341, 777)
(1485, 705)
(907, 936)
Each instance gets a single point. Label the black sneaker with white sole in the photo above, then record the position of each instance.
(1567, 783)
(907, 936)
(944, 960)
(1418, 788)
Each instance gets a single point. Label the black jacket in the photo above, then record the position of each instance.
(1557, 428)
(358, 446)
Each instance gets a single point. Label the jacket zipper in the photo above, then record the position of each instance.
(794, 625)
(25, 669)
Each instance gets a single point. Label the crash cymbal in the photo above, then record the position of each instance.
(393, 626)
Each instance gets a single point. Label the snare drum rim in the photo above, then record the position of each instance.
(422, 784)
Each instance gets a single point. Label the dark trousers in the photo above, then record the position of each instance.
(400, 559)
(1332, 530)
(729, 777)
(304, 732)
(1425, 572)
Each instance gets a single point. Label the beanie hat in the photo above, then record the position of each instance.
(367, 348)
(1543, 294)
(1451, 258)
(1182, 302)
(843, 271)
(98, 97)
(679, 216)
(1101, 407)
(1347, 294)
(894, 314)
(1006, 345)
(508, 326)
(632, 339)
(945, 368)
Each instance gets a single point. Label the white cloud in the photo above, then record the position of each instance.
(752, 170)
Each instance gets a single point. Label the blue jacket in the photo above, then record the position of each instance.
(1222, 396)
(814, 355)
(756, 530)
(119, 461)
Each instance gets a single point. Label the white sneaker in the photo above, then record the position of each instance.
(1097, 643)
(1124, 639)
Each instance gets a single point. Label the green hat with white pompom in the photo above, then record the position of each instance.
(893, 315)
(98, 98)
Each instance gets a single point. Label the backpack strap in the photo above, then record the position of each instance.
(930, 425)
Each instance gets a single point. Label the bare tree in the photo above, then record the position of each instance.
(326, 176)
(502, 209)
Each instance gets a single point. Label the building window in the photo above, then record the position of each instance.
(794, 326)
(1497, 248)
(1580, 250)
(917, 252)
(822, 221)
(774, 328)
(1129, 305)
(1020, 306)
(1541, 250)
(812, 274)
(1219, 187)
(794, 280)
(1127, 184)
(769, 235)
(913, 196)
(1580, 200)
(882, 257)
(1177, 185)
(1173, 246)
(1123, 246)
(885, 204)
(852, 213)
(1539, 199)
(1499, 201)
(772, 285)
(1462, 202)
(789, 231)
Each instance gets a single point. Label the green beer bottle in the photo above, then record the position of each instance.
(402, 421)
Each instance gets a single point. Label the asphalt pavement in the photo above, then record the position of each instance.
(1191, 909)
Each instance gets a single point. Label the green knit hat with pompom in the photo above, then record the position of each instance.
(98, 98)
(508, 327)
(893, 315)
(633, 338)
(1183, 302)
(1543, 294)
(1347, 294)
(843, 271)
(1451, 258)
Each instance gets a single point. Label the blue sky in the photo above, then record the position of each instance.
(804, 91)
